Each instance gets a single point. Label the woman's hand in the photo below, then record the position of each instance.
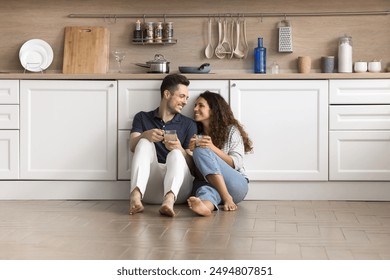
(205, 142)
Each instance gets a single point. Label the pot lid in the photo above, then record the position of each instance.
(158, 58)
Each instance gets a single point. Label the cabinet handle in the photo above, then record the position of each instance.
(234, 85)
(111, 85)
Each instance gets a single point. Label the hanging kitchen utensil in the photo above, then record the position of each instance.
(220, 51)
(237, 52)
(209, 51)
(285, 36)
(246, 48)
(225, 41)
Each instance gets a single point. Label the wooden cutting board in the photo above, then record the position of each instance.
(86, 50)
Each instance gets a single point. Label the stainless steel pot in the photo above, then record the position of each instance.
(158, 65)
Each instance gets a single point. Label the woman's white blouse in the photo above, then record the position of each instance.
(234, 147)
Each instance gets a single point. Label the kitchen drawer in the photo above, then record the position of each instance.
(372, 91)
(359, 155)
(9, 92)
(354, 117)
(9, 116)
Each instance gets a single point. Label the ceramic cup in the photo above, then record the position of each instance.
(360, 67)
(327, 64)
(374, 66)
(304, 64)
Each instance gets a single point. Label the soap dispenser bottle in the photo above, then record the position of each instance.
(260, 57)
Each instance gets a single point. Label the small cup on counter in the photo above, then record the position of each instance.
(360, 67)
(327, 64)
(375, 66)
(304, 64)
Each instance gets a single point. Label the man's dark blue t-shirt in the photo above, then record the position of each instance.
(185, 128)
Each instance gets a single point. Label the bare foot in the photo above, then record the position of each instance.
(135, 202)
(229, 206)
(166, 208)
(198, 206)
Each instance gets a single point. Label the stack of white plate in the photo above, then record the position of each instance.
(36, 55)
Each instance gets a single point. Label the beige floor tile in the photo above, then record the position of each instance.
(339, 254)
(291, 249)
(313, 253)
(332, 233)
(286, 228)
(355, 236)
(263, 246)
(308, 230)
(265, 225)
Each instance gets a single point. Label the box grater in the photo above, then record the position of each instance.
(285, 36)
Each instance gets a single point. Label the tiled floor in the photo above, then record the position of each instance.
(258, 230)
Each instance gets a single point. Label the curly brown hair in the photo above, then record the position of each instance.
(221, 118)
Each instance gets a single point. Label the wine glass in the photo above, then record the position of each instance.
(119, 57)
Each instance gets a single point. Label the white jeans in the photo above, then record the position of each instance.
(155, 179)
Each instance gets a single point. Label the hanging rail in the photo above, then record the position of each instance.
(261, 15)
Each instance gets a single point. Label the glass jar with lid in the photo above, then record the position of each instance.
(345, 54)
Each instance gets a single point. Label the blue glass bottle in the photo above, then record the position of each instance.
(260, 57)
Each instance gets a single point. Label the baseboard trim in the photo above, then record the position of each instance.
(258, 190)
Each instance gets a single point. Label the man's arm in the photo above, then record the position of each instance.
(153, 135)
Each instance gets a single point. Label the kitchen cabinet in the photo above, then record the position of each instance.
(9, 151)
(68, 130)
(9, 129)
(359, 137)
(288, 124)
(137, 95)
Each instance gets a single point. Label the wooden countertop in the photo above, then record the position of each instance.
(228, 75)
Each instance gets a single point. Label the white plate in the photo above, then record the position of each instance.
(36, 55)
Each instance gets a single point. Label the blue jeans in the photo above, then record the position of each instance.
(208, 163)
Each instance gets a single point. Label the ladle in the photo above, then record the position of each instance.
(237, 52)
(209, 51)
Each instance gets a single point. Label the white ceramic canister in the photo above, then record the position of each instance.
(345, 55)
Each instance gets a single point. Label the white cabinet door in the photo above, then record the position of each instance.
(9, 154)
(288, 124)
(68, 130)
(359, 155)
(137, 95)
(124, 155)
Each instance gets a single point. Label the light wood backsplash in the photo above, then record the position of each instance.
(314, 36)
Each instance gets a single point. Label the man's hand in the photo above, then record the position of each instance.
(170, 145)
(154, 135)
